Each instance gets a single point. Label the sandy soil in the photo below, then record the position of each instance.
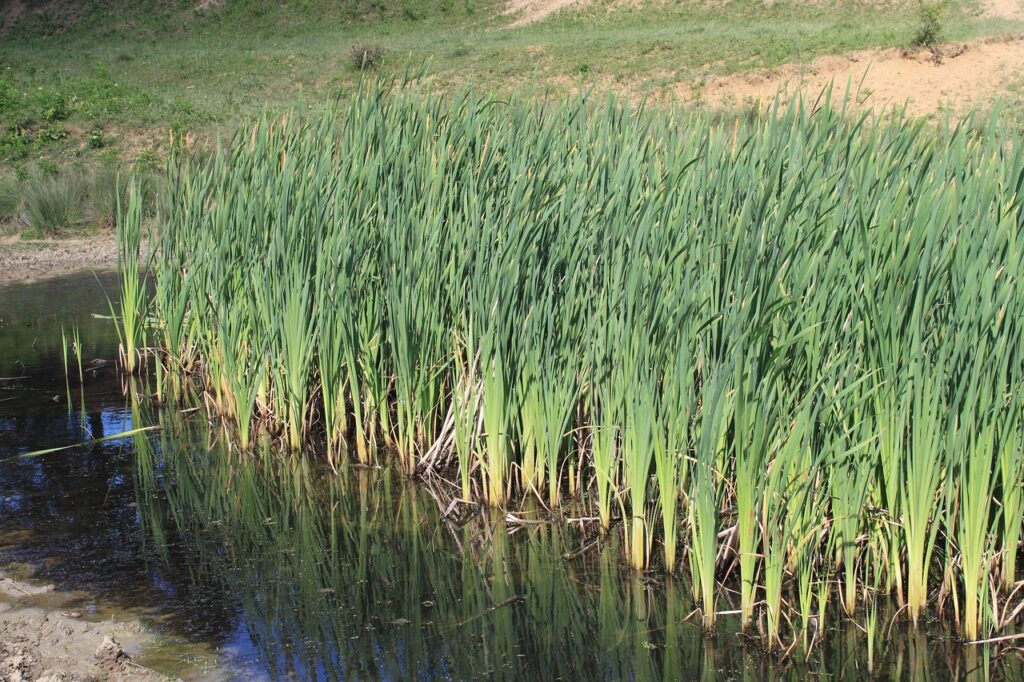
(45, 645)
(530, 11)
(1004, 9)
(22, 261)
(955, 78)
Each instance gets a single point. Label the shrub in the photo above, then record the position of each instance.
(53, 106)
(415, 12)
(96, 140)
(366, 57)
(15, 142)
(51, 132)
(148, 160)
(929, 28)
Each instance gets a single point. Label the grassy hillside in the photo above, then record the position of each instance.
(28, 18)
(86, 84)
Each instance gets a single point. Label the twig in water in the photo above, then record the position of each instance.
(582, 550)
(514, 520)
(993, 640)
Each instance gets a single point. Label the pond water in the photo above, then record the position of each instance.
(264, 567)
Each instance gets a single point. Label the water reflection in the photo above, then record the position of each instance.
(292, 571)
(358, 577)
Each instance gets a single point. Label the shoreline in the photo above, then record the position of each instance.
(40, 641)
(24, 261)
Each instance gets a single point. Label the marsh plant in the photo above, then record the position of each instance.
(782, 352)
(134, 308)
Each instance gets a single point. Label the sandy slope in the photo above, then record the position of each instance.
(957, 79)
(954, 79)
(1005, 9)
(530, 11)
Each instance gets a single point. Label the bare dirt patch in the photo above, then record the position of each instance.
(209, 5)
(530, 11)
(42, 644)
(23, 261)
(954, 79)
(1004, 9)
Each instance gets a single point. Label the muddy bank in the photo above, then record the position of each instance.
(25, 261)
(42, 643)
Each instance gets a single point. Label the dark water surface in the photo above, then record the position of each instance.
(272, 568)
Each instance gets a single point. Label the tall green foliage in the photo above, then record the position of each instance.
(791, 341)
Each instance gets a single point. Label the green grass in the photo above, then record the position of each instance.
(52, 204)
(10, 197)
(135, 73)
(77, 199)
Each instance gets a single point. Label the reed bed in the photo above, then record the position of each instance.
(782, 353)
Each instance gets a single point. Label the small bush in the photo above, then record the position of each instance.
(15, 142)
(53, 106)
(51, 132)
(96, 139)
(147, 161)
(366, 57)
(929, 27)
(50, 204)
(413, 13)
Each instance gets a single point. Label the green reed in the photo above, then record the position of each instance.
(789, 342)
(131, 324)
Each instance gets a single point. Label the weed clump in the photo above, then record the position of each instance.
(928, 32)
(366, 57)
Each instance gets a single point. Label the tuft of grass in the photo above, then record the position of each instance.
(103, 192)
(52, 204)
(10, 197)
